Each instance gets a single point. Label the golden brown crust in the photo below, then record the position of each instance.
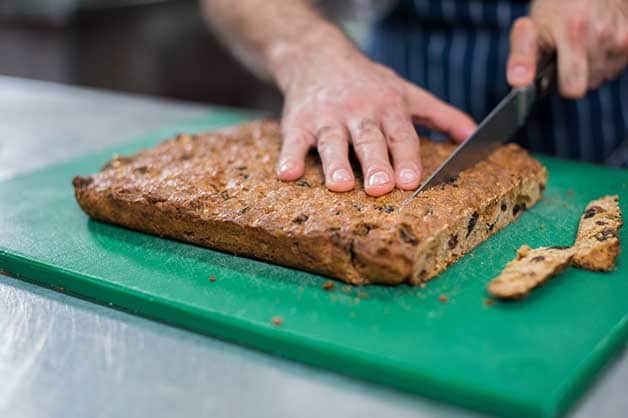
(597, 242)
(530, 269)
(219, 190)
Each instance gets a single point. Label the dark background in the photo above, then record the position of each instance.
(160, 48)
(157, 48)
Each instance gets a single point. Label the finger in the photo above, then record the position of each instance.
(622, 41)
(524, 50)
(572, 58)
(618, 56)
(600, 48)
(404, 147)
(598, 69)
(333, 148)
(370, 147)
(616, 65)
(296, 143)
(428, 111)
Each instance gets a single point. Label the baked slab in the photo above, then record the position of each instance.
(219, 190)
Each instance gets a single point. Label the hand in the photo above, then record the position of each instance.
(590, 37)
(338, 97)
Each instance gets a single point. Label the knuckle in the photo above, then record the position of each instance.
(298, 139)
(328, 131)
(398, 136)
(329, 140)
(367, 126)
(603, 31)
(367, 135)
(520, 25)
(366, 141)
(577, 25)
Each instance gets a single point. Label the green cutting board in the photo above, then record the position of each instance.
(528, 358)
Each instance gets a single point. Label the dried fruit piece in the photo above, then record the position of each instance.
(453, 241)
(407, 235)
(472, 221)
(301, 219)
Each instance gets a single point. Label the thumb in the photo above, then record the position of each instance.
(524, 50)
(426, 110)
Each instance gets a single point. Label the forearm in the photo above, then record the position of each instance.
(273, 37)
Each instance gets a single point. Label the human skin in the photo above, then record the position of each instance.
(590, 38)
(335, 97)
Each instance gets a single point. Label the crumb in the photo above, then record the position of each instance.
(362, 295)
(328, 285)
(212, 278)
(422, 285)
(489, 302)
(277, 321)
(346, 289)
(443, 298)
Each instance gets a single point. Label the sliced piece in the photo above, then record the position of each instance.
(597, 242)
(530, 269)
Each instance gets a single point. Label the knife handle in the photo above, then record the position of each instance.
(545, 75)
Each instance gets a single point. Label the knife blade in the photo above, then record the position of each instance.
(498, 127)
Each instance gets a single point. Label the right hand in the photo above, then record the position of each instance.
(341, 98)
(590, 38)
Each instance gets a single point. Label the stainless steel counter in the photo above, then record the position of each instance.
(64, 357)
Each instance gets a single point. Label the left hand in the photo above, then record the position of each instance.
(589, 36)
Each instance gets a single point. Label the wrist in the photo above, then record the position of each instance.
(316, 45)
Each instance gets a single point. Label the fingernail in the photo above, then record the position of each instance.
(407, 175)
(285, 166)
(378, 179)
(340, 176)
(518, 73)
(468, 133)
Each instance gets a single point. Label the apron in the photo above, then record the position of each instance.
(457, 50)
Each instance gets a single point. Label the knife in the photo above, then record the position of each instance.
(498, 127)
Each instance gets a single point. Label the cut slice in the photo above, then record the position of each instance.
(597, 242)
(530, 269)
(219, 190)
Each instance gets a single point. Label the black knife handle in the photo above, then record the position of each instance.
(546, 74)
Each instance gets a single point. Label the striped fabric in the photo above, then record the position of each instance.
(457, 50)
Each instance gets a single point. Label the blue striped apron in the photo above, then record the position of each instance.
(457, 50)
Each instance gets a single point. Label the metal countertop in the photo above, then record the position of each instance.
(65, 357)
